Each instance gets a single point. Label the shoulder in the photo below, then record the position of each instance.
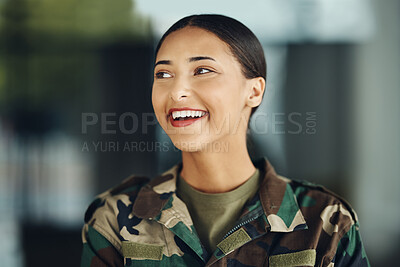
(110, 207)
(125, 191)
(324, 207)
(332, 220)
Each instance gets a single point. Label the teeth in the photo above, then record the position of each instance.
(187, 113)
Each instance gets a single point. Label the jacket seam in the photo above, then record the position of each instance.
(340, 236)
(165, 238)
(176, 214)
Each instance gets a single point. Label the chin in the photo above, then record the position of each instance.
(187, 146)
(190, 144)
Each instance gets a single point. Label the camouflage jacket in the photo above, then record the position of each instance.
(142, 222)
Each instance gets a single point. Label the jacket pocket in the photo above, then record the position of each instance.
(300, 258)
(137, 251)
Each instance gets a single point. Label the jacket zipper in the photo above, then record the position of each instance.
(236, 227)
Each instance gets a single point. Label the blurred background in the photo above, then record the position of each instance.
(76, 115)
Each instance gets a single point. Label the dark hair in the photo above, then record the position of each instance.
(244, 45)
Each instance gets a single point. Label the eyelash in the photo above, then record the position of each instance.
(159, 74)
(201, 68)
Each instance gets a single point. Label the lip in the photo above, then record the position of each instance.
(185, 122)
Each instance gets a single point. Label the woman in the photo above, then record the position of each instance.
(217, 207)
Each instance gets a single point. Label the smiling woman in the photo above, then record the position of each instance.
(216, 207)
(195, 70)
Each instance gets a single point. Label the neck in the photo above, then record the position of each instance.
(219, 170)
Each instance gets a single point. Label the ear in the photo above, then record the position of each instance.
(255, 96)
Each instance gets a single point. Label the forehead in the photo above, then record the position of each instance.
(191, 41)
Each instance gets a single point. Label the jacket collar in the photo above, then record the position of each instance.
(277, 198)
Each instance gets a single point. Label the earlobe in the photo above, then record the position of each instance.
(256, 91)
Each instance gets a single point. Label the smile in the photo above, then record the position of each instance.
(185, 116)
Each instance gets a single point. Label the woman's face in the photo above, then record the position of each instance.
(195, 70)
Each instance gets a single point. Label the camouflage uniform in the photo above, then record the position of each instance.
(288, 223)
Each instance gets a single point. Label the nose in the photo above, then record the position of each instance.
(179, 89)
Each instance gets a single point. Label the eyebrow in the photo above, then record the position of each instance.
(192, 59)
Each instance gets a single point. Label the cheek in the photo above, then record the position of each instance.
(157, 101)
(154, 99)
(214, 90)
(221, 93)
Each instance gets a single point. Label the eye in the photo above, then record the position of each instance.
(202, 71)
(162, 75)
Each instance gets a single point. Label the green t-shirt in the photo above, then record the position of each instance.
(214, 215)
